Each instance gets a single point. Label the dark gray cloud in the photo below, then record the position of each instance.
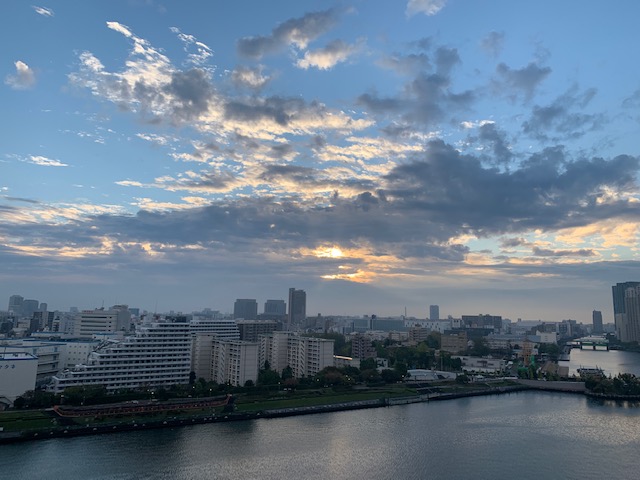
(295, 31)
(191, 92)
(543, 252)
(564, 117)
(21, 199)
(405, 64)
(445, 59)
(493, 43)
(512, 242)
(453, 189)
(489, 134)
(426, 100)
(523, 81)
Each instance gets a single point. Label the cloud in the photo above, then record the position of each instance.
(564, 118)
(543, 252)
(493, 43)
(405, 64)
(44, 161)
(23, 79)
(297, 32)
(327, 57)
(523, 81)
(249, 77)
(202, 51)
(427, 7)
(44, 11)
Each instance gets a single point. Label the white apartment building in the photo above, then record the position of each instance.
(305, 355)
(17, 375)
(201, 353)
(234, 361)
(159, 354)
(224, 328)
(76, 352)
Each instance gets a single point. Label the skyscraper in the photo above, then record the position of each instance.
(434, 312)
(297, 306)
(597, 321)
(619, 310)
(275, 307)
(15, 304)
(631, 325)
(246, 308)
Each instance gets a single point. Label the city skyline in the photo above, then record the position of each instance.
(481, 157)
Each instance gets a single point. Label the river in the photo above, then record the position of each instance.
(526, 435)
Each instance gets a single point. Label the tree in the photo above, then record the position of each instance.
(391, 376)
(249, 383)
(368, 364)
(268, 377)
(192, 377)
(287, 373)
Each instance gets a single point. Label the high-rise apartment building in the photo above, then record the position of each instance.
(297, 307)
(597, 321)
(305, 355)
(250, 330)
(623, 330)
(434, 312)
(234, 362)
(159, 354)
(246, 308)
(631, 325)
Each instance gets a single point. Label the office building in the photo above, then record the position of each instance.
(597, 321)
(46, 352)
(275, 308)
(89, 322)
(245, 308)
(297, 307)
(623, 330)
(630, 327)
(15, 305)
(434, 312)
(29, 307)
(17, 375)
(158, 355)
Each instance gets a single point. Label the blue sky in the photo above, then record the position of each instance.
(481, 156)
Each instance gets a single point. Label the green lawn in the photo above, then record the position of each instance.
(14, 421)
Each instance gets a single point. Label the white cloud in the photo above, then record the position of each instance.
(428, 7)
(118, 27)
(203, 52)
(23, 79)
(327, 57)
(44, 11)
(45, 162)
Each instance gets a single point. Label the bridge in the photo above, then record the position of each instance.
(595, 343)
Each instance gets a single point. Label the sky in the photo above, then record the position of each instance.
(177, 155)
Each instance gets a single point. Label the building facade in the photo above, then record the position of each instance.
(158, 355)
(250, 330)
(245, 308)
(597, 322)
(234, 362)
(434, 312)
(17, 375)
(623, 328)
(297, 307)
(305, 355)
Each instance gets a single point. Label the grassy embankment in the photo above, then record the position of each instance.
(46, 420)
